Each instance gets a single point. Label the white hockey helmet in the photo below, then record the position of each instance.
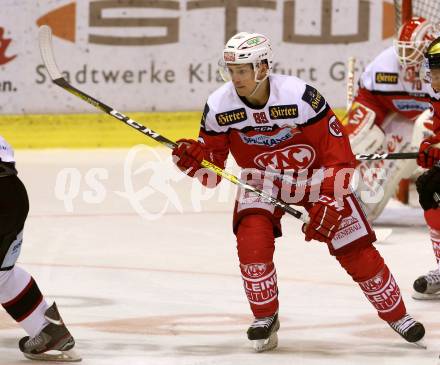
(413, 38)
(243, 48)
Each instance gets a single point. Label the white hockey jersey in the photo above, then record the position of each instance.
(295, 131)
(6, 151)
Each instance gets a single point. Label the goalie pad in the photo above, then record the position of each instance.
(365, 136)
(378, 180)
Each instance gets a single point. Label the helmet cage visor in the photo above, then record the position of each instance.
(410, 53)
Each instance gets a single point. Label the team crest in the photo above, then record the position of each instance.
(297, 157)
(254, 270)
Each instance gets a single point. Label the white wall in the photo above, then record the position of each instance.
(181, 74)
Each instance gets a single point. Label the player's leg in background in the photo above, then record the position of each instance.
(20, 295)
(428, 286)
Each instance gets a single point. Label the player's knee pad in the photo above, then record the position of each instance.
(432, 217)
(362, 263)
(255, 239)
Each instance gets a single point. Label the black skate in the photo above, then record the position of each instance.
(427, 286)
(411, 330)
(263, 333)
(55, 337)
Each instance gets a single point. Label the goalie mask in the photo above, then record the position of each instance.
(243, 48)
(413, 38)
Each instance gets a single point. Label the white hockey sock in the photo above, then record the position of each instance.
(35, 322)
(22, 299)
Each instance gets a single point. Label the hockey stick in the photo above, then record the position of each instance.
(349, 87)
(45, 41)
(387, 156)
(350, 82)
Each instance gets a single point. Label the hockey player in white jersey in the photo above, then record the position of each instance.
(397, 110)
(276, 125)
(19, 292)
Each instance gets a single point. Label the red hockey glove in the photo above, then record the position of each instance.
(188, 155)
(429, 153)
(325, 218)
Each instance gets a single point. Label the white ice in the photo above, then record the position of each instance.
(137, 290)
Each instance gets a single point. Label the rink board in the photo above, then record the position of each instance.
(96, 130)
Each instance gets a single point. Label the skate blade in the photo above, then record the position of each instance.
(421, 296)
(266, 344)
(421, 344)
(60, 356)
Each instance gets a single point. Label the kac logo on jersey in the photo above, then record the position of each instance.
(312, 97)
(406, 105)
(283, 111)
(297, 157)
(231, 117)
(390, 78)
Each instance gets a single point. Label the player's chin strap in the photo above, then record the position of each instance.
(259, 83)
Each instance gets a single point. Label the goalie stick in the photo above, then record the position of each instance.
(45, 42)
(350, 82)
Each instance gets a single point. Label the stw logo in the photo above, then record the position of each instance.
(296, 157)
(4, 44)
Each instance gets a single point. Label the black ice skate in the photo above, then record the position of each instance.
(427, 286)
(53, 343)
(411, 330)
(263, 333)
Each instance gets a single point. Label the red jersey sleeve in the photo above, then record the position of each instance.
(216, 149)
(333, 149)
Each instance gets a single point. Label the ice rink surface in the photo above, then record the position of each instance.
(143, 266)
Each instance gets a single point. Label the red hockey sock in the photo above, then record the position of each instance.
(435, 238)
(260, 285)
(432, 218)
(367, 268)
(255, 245)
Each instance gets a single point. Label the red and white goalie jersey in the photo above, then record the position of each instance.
(382, 118)
(386, 87)
(296, 132)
